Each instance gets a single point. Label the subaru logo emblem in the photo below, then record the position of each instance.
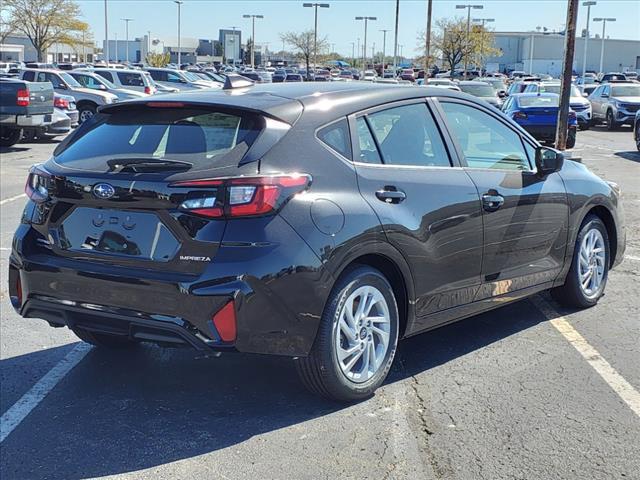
(103, 190)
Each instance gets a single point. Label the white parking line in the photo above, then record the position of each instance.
(624, 389)
(11, 199)
(23, 407)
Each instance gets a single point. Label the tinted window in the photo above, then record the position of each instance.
(130, 79)
(368, 150)
(29, 76)
(158, 75)
(201, 137)
(539, 101)
(336, 136)
(106, 75)
(408, 135)
(486, 142)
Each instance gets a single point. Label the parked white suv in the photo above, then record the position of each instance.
(129, 79)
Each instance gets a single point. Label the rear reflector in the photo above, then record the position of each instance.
(19, 290)
(38, 183)
(225, 322)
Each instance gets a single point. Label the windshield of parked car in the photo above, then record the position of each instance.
(556, 89)
(192, 77)
(625, 91)
(539, 101)
(197, 136)
(478, 90)
(104, 81)
(69, 80)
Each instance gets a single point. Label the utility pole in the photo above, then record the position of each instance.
(468, 7)
(353, 53)
(106, 35)
(384, 49)
(395, 41)
(373, 53)
(533, 39)
(427, 46)
(179, 3)
(253, 37)
(586, 36)
(567, 70)
(604, 25)
(358, 48)
(366, 20)
(126, 29)
(315, 30)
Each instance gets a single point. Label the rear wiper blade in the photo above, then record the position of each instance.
(147, 164)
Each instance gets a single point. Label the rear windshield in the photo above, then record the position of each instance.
(555, 88)
(536, 101)
(479, 90)
(204, 138)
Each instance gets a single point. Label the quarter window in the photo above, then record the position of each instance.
(368, 150)
(485, 141)
(336, 136)
(407, 135)
(106, 75)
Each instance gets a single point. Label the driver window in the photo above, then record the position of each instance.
(408, 135)
(486, 142)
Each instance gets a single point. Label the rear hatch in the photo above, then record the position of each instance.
(126, 189)
(40, 98)
(541, 115)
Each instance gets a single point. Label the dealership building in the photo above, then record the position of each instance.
(541, 52)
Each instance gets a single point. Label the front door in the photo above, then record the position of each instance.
(525, 216)
(426, 203)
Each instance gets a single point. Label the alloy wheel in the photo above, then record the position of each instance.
(362, 334)
(85, 115)
(591, 263)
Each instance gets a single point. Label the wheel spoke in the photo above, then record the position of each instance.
(378, 319)
(382, 335)
(365, 360)
(587, 279)
(361, 306)
(347, 329)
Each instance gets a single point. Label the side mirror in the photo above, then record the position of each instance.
(605, 95)
(502, 94)
(548, 160)
(102, 87)
(63, 86)
(585, 94)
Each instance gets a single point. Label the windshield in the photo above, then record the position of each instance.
(539, 101)
(104, 81)
(625, 91)
(69, 80)
(197, 136)
(192, 77)
(478, 90)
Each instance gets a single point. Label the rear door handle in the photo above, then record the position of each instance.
(491, 203)
(391, 196)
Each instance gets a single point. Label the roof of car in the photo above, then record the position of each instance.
(471, 83)
(281, 100)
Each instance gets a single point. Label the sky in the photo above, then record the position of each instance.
(203, 18)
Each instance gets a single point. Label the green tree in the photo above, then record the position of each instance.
(303, 45)
(158, 60)
(45, 22)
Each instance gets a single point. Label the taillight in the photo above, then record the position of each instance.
(241, 196)
(38, 184)
(22, 99)
(520, 116)
(61, 103)
(225, 322)
(572, 115)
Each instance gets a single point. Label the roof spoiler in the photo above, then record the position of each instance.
(233, 80)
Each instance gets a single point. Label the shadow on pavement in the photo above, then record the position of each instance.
(633, 156)
(119, 412)
(13, 149)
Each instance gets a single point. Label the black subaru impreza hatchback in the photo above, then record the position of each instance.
(318, 221)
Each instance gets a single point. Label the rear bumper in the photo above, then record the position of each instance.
(278, 287)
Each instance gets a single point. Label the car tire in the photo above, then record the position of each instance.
(322, 372)
(573, 293)
(10, 136)
(104, 340)
(85, 112)
(611, 123)
(571, 138)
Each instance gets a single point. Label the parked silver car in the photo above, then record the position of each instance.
(615, 103)
(87, 100)
(137, 80)
(94, 81)
(180, 79)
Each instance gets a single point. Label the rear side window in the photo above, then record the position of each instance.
(201, 137)
(336, 136)
(29, 76)
(106, 75)
(130, 79)
(368, 150)
(408, 135)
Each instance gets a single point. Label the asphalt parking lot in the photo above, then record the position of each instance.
(511, 394)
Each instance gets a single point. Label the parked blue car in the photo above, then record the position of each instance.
(537, 113)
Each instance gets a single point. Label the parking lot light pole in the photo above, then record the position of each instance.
(586, 36)
(126, 37)
(253, 36)
(315, 29)
(106, 35)
(395, 40)
(604, 29)
(384, 48)
(468, 7)
(364, 50)
(179, 3)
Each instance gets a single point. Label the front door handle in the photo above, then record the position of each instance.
(391, 196)
(492, 202)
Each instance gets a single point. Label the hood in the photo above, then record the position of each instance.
(627, 99)
(89, 91)
(582, 101)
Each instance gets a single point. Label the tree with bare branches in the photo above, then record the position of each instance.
(303, 45)
(7, 22)
(45, 22)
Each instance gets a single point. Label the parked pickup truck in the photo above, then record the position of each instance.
(24, 106)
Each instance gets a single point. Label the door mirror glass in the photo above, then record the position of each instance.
(548, 160)
(605, 95)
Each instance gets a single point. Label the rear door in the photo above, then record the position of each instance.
(525, 216)
(426, 203)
